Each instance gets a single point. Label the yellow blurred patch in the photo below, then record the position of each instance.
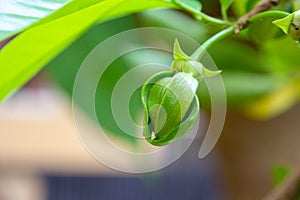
(276, 102)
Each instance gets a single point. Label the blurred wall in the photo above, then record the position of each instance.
(251, 149)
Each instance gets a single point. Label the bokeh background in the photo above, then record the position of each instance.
(42, 158)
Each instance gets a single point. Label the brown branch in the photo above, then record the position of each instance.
(243, 21)
(288, 190)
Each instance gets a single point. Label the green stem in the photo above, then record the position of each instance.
(224, 13)
(202, 16)
(266, 14)
(230, 30)
(206, 18)
(217, 37)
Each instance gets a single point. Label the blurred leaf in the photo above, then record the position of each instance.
(240, 89)
(251, 4)
(281, 55)
(193, 6)
(16, 15)
(280, 173)
(263, 30)
(37, 46)
(226, 3)
(239, 7)
(236, 55)
(176, 21)
(64, 67)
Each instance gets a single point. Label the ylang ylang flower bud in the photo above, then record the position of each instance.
(171, 106)
(170, 101)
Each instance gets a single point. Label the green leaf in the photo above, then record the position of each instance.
(239, 7)
(263, 30)
(192, 6)
(24, 56)
(226, 3)
(69, 8)
(16, 15)
(284, 23)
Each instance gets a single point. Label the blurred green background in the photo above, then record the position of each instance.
(261, 79)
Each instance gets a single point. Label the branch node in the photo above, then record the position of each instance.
(243, 21)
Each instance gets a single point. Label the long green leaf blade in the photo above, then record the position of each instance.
(24, 56)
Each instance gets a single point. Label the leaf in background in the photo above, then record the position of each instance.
(281, 55)
(174, 20)
(262, 31)
(240, 89)
(236, 55)
(63, 70)
(226, 3)
(252, 3)
(16, 15)
(193, 6)
(24, 56)
(240, 7)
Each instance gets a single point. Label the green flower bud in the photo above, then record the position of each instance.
(171, 106)
(170, 101)
(290, 25)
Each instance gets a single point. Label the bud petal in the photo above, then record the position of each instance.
(198, 71)
(171, 106)
(186, 64)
